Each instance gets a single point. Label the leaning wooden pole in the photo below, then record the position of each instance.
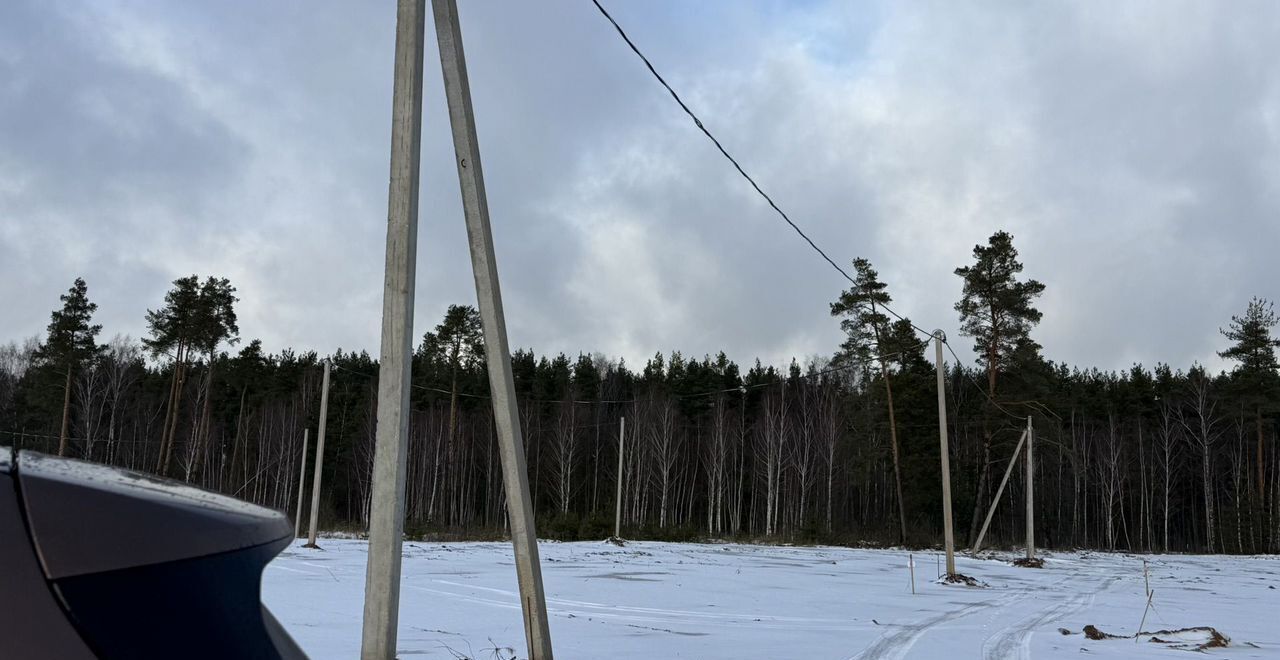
(484, 267)
(386, 507)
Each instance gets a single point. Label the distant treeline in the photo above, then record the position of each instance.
(842, 450)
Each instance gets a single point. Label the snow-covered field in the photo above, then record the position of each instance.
(669, 600)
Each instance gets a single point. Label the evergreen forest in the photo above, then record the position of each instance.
(839, 449)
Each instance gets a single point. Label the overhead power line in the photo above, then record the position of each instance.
(702, 127)
(979, 385)
(781, 213)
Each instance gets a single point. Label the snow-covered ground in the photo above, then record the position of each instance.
(669, 600)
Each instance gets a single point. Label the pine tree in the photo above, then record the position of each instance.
(216, 319)
(195, 319)
(996, 310)
(1255, 354)
(458, 345)
(70, 343)
(867, 331)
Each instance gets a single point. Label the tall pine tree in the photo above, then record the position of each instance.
(867, 332)
(457, 344)
(71, 342)
(195, 319)
(1254, 352)
(996, 310)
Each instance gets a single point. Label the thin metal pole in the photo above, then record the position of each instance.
(302, 484)
(1031, 497)
(315, 480)
(948, 534)
(484, 267)
(617, 504)
(995, 501)
(386, 507)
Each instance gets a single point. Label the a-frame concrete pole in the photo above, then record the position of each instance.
(948, 534)
(484, 267)
(386, 510)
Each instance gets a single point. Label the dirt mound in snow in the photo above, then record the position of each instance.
(1034, 562)
(1197, 638)
(957, 578)
(1093, 633)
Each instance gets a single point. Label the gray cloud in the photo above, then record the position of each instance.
(1132, 151)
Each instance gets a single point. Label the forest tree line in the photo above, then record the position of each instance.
(841, 449)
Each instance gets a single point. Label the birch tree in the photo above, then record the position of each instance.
(1201, 421)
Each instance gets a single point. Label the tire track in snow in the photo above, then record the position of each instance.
(630, 616)
(682, 615)
(896, 645)
(1015, 641)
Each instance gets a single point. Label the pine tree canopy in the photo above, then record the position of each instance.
(195, 316)
(71, 337)
(995, 308)
(1254, 350)
(864, 325)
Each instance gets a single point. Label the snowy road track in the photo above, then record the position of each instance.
(662, 600)
(897, 644)
(1014, 642)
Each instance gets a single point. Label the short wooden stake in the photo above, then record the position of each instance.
(911, 566)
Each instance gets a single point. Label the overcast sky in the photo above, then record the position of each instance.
(1133, 151)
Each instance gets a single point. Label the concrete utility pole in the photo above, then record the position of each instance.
(315, 480)
(302, 484)
(386, 508)
(948, 534)
(617, 503)
(995, 501)
(1031, 497)
(489, 296)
